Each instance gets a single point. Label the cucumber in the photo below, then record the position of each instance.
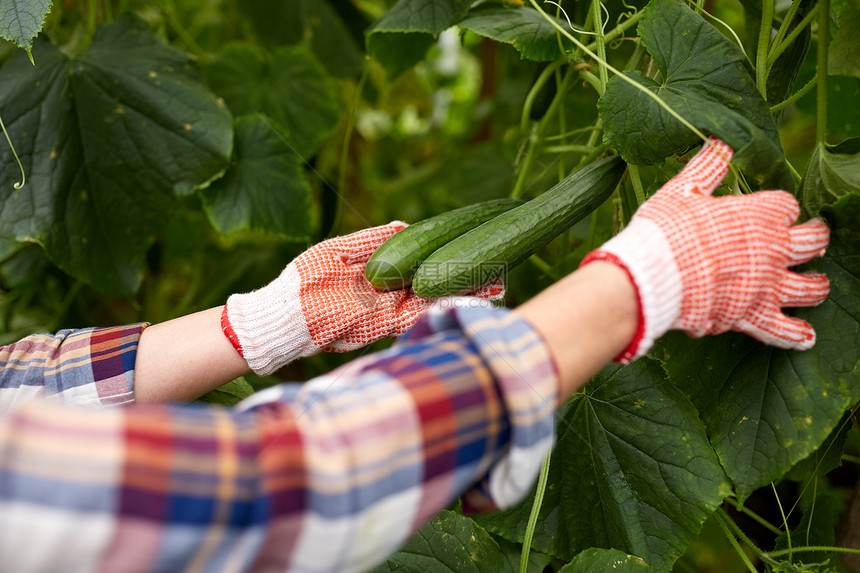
(487, 251)
(392, 265)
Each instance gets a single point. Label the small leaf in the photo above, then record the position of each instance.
(604, 560)
(22, 20)
(264, 189)
(833, 171)
(228, 394)
(108, 140)
(522, 27)
(290, 86)
(708, 81)
(404, 34)
(448, 542)
(632, 470)
(766, 408)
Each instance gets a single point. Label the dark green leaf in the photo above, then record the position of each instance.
(632, 470)
(524, 28)
(511, 554)
(767, 408)
(844, 56)
(107, 139)
(264, 189)
(826, 458)
(290, 86)
(603, 560)
(707, 80)
(449, 542)
(228, 394)
(833, 171)
(22, 20)
(402, 36)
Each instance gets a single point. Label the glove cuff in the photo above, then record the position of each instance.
(266, 326)
(643, 251)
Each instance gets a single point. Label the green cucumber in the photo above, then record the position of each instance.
(392, 265)
(485, 252)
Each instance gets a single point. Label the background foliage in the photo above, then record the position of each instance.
(178, 151)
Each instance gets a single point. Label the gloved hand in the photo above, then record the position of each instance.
(708, 264)
(322, 302)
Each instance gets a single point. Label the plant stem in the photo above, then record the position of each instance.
(784, 519)
(740, 550)
(540, 82)
(756, 517)
(618, 30)
(543, 266)
(568, 149)
(823, 46)
(540, 490)
(637, 184)
(797, 95)
(777, 49)
(735, 528)
(597, 15)
(786, 22)
(781, 552)
(347, 137)
(850, 458)
(535, 139)
(763, 45)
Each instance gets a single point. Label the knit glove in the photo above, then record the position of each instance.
(708, 264)
(322, 302)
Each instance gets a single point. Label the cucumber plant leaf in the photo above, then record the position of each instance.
(844, 51)
(596, 560)
(448, 542)
(402, 36)
(22, 20)
(766, 408)
(290, 86)
(522, 27)
(707, 79)
(833, 171)
(108, 139)
(264, 188)
(228, 394)
(632, 470)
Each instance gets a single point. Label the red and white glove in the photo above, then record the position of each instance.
(322, 302)
(707, 264)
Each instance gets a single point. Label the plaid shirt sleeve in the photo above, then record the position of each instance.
(90, 368)
(331, 475)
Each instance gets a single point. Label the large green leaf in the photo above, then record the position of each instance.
(290, 86)
(833, 171)
(107, 139)
(22, 20)
(602, 560)
(448, 542)
(524, 28)
(264, 189)
(844, 56)
(402, 36)
(766, 408)
(632, 470)
(707, 80)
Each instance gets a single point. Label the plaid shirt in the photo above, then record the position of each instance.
(330, 475)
